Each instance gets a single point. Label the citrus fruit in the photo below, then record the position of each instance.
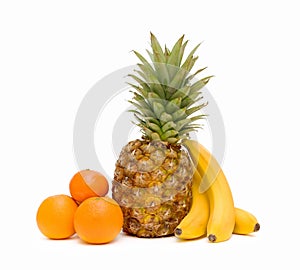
(98, 220)
(55, 216)
(88, 183)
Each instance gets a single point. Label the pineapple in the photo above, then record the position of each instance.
(153, 175)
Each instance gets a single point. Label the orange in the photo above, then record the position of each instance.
(55, 216)
(98, 220)
(88, 183)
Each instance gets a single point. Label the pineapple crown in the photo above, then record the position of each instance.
(164, 95)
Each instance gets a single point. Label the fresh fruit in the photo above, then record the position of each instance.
(222, 213)
(98, 220)
(153, 175)
(245, 222)
(88, 183)
(195, 222)
(55, 217)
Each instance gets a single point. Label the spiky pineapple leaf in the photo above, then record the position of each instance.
(174, 55)
(181, 53)
(150, 55)
(173, 105)
(165, 117)
(182, 92)
(169, 134)
(162, 73)
(179, 114)
(141, 82)
(154, 127)
(142, 109)
(158, 109)
(167, 53)
(139, 90)
(157, 50)
(189, 58)
(193, 110)
(180, 124)
(153, 83)
(143, 60)
(200, 84)
(167, 126)
(191, 77)
(165, 96)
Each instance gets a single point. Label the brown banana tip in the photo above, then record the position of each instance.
(178, 231)
(212, 238)
(256, 227)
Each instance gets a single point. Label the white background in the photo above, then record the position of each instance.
(52, 52)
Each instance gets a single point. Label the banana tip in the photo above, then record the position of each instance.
(178, 231)
(212, 238)
(256, 227)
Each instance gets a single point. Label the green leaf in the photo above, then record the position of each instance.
(157, 50)
(197, 86)
(193, 110)
(168, 125)
(153, 96)
(167, 53)
(137, 96)
(155, 136)
(185, 131)
(192, 63)
(150, 55)
(172, 140)
(191, 99)
(157, 88)
(148, 132)
(152, 120)
(179, 114)
(154, 127)
(178, 78)
(182, 92)
(189, 78)
(158, 109)
(198, 117)
(153, 83)
(141, 121)
(139, 90)
(144, 111)
(140, 81)
(169, 134)
(173, 59)
(162, 73)
(186, 63)
(143, 60)
(142, 102)
(181, 52)
(173, 105)
(180, 124)
(148, 72)
(165, 117)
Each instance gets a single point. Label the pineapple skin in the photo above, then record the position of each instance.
(153, 186)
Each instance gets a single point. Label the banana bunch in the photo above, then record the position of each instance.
(212, 212)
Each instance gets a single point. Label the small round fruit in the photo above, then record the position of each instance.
(98, 220)
(55, 217)
(88, 183)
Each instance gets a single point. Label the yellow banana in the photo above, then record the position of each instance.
(222, 214)
(195, 222)
(245, 222)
